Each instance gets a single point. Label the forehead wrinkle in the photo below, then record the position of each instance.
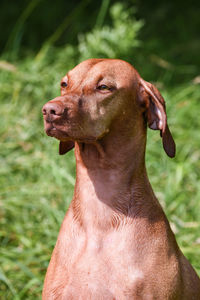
(78, 74)
(120, 72)
(93, 70)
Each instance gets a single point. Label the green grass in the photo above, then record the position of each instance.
(36, 184)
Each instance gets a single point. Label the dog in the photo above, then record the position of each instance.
(115, 241)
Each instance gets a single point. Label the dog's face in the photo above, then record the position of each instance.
(98, 93)
(91, 96)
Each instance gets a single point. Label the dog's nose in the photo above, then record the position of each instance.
(52, 110)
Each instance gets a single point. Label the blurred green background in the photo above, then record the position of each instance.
(40, 41)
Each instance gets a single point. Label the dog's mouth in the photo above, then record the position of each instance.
(53, 131)
(73, 131)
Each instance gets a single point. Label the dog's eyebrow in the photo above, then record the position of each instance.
(65, 78)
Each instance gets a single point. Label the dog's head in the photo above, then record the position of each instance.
(94, 95)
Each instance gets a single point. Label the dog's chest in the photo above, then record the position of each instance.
(113, 266)
(95, 277)
(103, 269)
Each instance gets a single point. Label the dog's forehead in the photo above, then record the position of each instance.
(93, 69)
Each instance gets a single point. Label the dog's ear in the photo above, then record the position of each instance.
(155, 114)
(65, 146)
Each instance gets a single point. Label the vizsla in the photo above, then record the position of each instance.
(115, 241)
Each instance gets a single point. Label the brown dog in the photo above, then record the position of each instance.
(115, 241)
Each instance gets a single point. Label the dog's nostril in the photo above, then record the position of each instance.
(44, 111)
(52, 112)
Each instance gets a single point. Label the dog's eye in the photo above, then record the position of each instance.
(103, 87)
(63, 84)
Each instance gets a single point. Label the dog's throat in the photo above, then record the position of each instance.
(92, 150)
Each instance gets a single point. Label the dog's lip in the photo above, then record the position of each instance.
(52, 131)
(62, 136)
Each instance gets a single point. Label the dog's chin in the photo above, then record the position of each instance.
(56, 133)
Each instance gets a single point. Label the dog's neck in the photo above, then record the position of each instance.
(111, 182)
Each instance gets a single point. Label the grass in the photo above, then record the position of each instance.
(37, 183)
(35, 188)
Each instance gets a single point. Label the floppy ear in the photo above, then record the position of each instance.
(65, 146)
(156, 114)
